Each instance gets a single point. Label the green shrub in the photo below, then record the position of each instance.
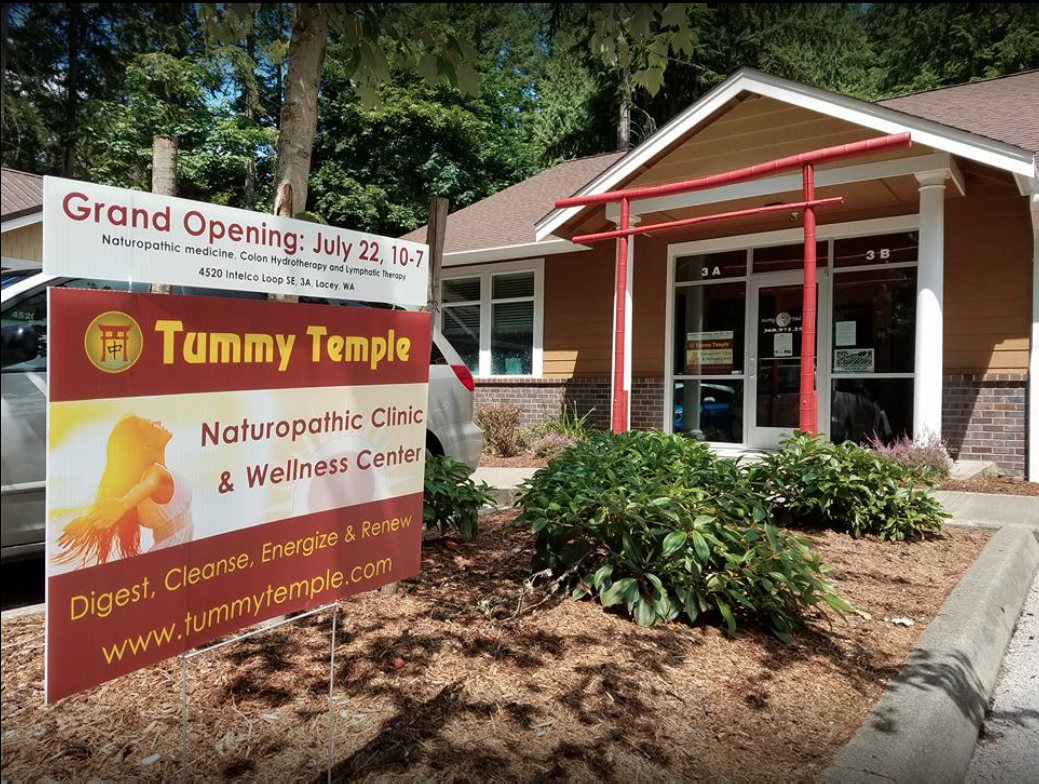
(500, 423)
(845, 487)
(566, 423)
(452, 498)
(927, 458)
(657, 524)
(551, 445)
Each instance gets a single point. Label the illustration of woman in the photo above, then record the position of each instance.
(136, 490)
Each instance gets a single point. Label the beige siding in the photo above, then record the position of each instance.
(756, 130)
(988, 278)
(24, 243)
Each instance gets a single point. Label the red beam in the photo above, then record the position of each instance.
(619, 418)
(808, 415)
(667, 226)
(824, 155)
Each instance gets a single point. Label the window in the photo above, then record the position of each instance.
(493, 318)
(873, 338)
(709, 345)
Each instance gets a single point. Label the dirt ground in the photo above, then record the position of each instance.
(1005, 485)
(441, 682)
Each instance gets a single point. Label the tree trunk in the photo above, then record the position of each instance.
(624, 116)
(165, 150)
(73, 39)
(435, 230)
(299, 112)
(3, 46)
(251, 101)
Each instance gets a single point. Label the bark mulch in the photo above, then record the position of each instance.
(1003, 485)
(442, 682)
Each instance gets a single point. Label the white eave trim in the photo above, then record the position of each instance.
(868, 115)
(525, 250)
(21, 221)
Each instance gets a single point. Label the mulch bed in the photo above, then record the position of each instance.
(1003, 485)
(442, 682)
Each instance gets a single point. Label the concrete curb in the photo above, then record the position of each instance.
(925, 726)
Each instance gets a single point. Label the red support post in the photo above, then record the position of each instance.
(809, 405)
(666, 226)
(619, 414)
(809, 409)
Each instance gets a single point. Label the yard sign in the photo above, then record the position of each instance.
(214, 462)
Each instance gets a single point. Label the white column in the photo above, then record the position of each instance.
(1033, 354)
(927, 387)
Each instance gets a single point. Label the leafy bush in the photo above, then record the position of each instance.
(452, 498)
(567, 423)
(657, 524)
(551, 445)
(845, 487)
(500, 423)
(928, 458)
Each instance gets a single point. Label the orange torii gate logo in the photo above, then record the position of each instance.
(113, 342)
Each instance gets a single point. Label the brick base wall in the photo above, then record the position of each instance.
(543, 399)
(984, 417)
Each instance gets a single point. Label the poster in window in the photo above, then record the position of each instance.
(783, 344)
(709, 353)
(845, 333)
(853, 360)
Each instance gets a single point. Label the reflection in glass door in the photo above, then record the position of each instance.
(775, 356)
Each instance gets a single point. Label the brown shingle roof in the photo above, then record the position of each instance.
(1005, 109)
(20, 193)
(508, 216)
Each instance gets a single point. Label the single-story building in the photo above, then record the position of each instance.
(21, 219)
(951, 223)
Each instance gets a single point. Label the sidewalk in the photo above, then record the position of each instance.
(503, 482)
(990, 509)
(1009, 746)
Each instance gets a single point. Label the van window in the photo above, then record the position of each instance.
(32, 310)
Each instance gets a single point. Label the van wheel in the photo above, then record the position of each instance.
(433, 447)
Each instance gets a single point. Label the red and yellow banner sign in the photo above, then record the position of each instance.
(216, 462)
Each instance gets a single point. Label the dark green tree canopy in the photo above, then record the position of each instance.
(444, 99)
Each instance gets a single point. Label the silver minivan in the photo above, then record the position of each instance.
(23, 381)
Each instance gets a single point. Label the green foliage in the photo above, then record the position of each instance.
(921, 46)
(452, 499)
(376, 168)
(566, 423)
(502, 435)
(658, 525)
(845, 487)
(927, 458)
(171, 95)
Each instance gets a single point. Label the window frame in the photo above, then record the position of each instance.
(486, 274)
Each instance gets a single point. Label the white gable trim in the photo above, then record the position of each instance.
(880, 118)
(21, 221)
(526, 250)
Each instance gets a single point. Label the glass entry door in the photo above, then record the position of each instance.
(775, 314)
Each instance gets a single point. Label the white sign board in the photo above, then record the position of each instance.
(119, 234)
(783, 344)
